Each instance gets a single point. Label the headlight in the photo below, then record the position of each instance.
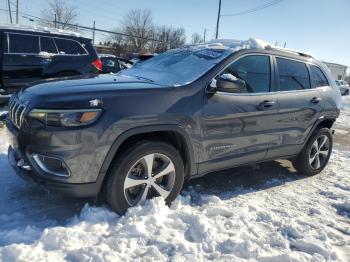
(68, 118)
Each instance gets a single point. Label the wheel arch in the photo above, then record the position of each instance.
(321, 123)
(172, 134)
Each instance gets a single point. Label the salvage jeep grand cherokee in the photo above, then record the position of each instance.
(181, 114)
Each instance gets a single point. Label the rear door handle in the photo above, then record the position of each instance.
(315, 100)
(266, 104)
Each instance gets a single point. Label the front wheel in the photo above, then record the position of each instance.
(316, 153)
(147, 169)
(346, 93)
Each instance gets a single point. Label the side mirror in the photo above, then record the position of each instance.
(229, 83)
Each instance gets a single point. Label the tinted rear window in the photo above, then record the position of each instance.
(69, 47)
(293, 75)
(27, 44)
(47, 45)
(318, 78)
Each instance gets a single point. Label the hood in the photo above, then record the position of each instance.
(61, 93)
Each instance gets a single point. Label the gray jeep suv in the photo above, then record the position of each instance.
(182, 114)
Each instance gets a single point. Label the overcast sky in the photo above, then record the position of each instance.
(320, 27)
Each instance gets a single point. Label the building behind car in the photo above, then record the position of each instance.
(338, 71)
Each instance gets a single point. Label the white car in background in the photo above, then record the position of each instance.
(343, 87)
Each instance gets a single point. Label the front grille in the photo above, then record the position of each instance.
(16, 111)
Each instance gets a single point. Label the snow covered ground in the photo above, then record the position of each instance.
(265, 212)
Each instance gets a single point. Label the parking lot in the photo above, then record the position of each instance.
(266, 211)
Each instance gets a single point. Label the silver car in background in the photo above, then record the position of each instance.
(343, 87)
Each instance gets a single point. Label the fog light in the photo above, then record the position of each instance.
(51, 165)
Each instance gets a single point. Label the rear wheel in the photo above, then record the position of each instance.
(316, 153)
(146, 170)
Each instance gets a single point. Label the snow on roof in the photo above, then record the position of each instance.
(39, 29)
(252, 43)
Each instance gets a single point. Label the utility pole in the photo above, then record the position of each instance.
(204, 34)
(93, 33)
(218, 21)
(55, 21)
(10, 12)
(17, 11)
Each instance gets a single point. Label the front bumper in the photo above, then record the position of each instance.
(25, 171)
(24, 144)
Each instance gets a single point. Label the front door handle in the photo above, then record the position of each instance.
(266, 104)
(315, 100)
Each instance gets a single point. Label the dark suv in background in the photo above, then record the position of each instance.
(184, 113)
(30, 54)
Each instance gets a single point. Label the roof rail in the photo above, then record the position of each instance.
(283, 49)
(40, 29)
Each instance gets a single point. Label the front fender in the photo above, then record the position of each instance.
(143, 130)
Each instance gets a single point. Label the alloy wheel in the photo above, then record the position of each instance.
(151, 175)
(319, 152)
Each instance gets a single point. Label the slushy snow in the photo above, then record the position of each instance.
(265, 212)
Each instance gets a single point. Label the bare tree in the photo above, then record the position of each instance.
(139, 24)
(116, 38)
(168, 38)
(118, 42)
(177, 38)
(64, 14)
(197, 39)
(142, 35)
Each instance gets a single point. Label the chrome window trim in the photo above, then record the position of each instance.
(307, 63)
(52, 42)
(53, 37)
(86, 52)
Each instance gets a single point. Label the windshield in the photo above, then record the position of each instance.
(179, 66)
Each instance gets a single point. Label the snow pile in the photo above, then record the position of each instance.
(344, 119)
(287, 217)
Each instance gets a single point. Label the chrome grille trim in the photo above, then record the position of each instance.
(16, 112)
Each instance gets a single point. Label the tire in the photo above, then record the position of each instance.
(306, 162)
(132, 167)
(346, 93)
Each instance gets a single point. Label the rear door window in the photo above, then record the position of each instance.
(24, 44)
(318, 78)
(69, 47)
(47, 45)
(293, 75)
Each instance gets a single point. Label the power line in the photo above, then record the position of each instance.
(33, 18)
(255, 9)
